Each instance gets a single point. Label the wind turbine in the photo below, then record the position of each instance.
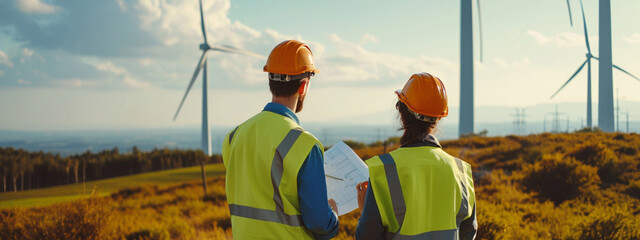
(202, 65)
(588, 63)
(466, 121)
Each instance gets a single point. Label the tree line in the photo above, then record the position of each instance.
(23, 170)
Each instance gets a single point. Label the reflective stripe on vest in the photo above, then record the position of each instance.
(464, 204)
(399, 207)
(393, 181)
(276, 176)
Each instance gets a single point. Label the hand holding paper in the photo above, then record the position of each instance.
(344, 170)
(362, 192)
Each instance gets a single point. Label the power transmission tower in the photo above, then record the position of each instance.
(627, 113)
(581, 122)
(617, 110)
(627, 118)
(523, 122)
(516, 121)
(555, 127)
(519, 122)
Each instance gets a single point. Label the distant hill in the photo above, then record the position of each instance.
(544, 186)
(47, 196)
(367, 128)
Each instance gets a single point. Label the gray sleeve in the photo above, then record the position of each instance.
(370, 223)
(469, 227)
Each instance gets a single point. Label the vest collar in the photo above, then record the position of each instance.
(429, 141)
(282, 110)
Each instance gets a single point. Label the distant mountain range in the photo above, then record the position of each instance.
(367, 128)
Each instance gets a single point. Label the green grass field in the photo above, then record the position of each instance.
(46, 196)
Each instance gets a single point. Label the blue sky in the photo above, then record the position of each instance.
(110, 64)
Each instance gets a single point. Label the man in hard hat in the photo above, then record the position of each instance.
(275, 179)
(418, 191)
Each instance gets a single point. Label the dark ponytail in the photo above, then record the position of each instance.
(414, 130)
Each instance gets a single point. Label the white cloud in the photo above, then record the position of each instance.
(35, 6)
(500, 62)
(146, 61)
(4, 59)
(564, 39)
(23, 82)
(518, 63)
(27, 52)
(173, 19)
(74, 83)
(351, 62)
(135, 83)
(109, 67)
(633, 38)
(123, 74)
(122, 5)
(366, 38)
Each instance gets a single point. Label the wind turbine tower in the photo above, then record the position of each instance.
(466, 122)
(605, 71)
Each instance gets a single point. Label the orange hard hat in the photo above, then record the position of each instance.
(425, 95)
(290, 60)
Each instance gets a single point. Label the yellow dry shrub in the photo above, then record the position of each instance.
(546, 186)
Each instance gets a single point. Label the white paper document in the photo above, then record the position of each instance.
(345, 170)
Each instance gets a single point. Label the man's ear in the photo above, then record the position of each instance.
(304, 84)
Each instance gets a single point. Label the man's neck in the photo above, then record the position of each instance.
(290, 102)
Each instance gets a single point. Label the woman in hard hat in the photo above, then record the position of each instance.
(418, 191)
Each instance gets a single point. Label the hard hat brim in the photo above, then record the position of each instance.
(403, 99)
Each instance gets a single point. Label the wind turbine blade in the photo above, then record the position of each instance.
(584, 22)
(204, 34)
(624, 71)
(230, 49)
(480, 28)
(570, 17)
(193, 79)
(572, 76)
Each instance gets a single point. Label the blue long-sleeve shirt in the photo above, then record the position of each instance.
(312, 187)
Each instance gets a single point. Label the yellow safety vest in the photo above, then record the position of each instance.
(422, 192)
(262, 158)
